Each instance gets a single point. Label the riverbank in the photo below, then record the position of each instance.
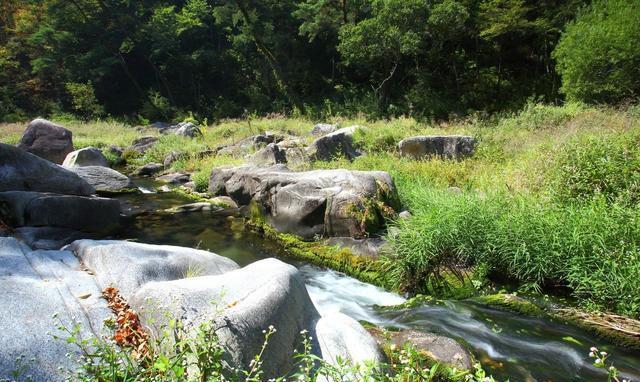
(548, 200)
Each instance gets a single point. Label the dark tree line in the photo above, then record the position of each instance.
(218, 58)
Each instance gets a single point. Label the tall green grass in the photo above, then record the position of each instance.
(580, 228)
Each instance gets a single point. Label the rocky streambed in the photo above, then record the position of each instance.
(68, 232)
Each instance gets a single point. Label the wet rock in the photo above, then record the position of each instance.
(141, 145)
(323, 129)
(23, 171)
(105, 180)
(173, 157)
(88, 156)
(175, 178)
(334, 145)
(129, 265)
(35, 209)
(248, 301)
(269, 155)
(367, 247)
(322, 202)
(447, 147)
(47, 140)
(438, 348)
(35, 285)
(149, 169)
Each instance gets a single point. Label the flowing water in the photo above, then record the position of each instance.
(508, 345)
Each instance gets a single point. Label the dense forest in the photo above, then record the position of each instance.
(160, 59)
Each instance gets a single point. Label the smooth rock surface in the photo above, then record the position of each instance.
(447, 147)
(35, 209)
(334, 145)
(104, 179)
(47, 140)
(88, 156)
(35, 285)
(248, 145)
(23, 171)
(188, 129)
(129, 265)
(321, 202)
(342, 337)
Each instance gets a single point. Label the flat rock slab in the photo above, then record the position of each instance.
(47, 140)
(105, 180)
(36, 209)
(23, 171)
(445, 146)
(35, 285)
(129, 265)
(312, 203)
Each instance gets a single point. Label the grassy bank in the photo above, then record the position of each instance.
(550, 199)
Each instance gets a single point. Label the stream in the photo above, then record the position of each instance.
(508, 345)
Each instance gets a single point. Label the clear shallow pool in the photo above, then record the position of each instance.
(511, 346)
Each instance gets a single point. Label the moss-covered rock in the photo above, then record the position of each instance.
(511, 303)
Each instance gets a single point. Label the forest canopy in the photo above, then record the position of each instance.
(159, 59)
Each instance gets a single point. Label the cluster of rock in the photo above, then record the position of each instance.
(312, 203)
(49, 205)
(162, 283)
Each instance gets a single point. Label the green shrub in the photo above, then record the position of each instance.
(83, 99)
(598, 56)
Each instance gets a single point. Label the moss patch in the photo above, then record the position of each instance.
(511, 303)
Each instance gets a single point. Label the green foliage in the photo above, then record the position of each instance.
(591, 247)
(183, 355)
(603, 165)
(598, 56)
(83, 99)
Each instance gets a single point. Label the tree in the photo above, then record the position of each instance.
(599, 56)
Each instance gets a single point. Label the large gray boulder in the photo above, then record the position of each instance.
(23, 171)
(105, 180)
(35, 209)
(241, 304)
(129, 265)
(334, 145)
(47, 140)
(312, 203)
(36, 285)
(88, 156)
(447, 146)
(148, 169)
